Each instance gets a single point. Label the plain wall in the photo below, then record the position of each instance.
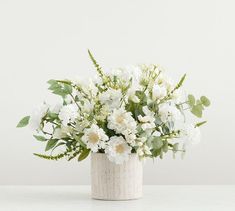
(40, 40)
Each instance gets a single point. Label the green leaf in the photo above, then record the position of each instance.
(180, 82)
(200, 123)
(191, 100)
(79, 141)
(197, 111)
(23, 122)
(157, 143)
(97, 66)
(83, 154)
(40, 138)
(205, 101)
(51, 143)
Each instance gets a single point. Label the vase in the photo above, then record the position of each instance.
(110, 181)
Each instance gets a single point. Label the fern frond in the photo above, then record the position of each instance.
(97, 66)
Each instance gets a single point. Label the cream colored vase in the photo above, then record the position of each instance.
(110, 181)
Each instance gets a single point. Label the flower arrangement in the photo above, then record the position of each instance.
(137, 109)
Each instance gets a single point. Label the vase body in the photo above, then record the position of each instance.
(110, 181)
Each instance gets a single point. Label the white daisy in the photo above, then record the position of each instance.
(95, 138)
(147, 120)
(68, 113)
(122, 121)
(118, 150)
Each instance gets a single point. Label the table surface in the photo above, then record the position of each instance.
(43, 198)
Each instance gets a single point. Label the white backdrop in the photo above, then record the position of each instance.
(40, 40)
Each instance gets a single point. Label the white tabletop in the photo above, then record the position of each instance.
(69, 198)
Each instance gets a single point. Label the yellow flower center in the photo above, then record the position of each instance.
(120, 119)
(120, 148)
(93, 137)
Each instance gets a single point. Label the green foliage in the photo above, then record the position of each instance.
(23, 122)
(205, 101)
(200, 124)
(97, 66)
(61, 88)
(50, 157)
(197, 106)
(191, 100)
(40, 138)
(157, 142)
(180, 82)
(83, 154)
(197, 111)
(51, 143)
(78, 139)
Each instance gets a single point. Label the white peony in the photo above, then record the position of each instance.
(95, 138)
(121, 121)
(147, 120)
(68, 113)
(118, 150)
(37, 115)
(111, 98)
(168, 112)
(158, 92)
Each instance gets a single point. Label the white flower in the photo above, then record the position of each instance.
(37, 115)
(62, 132)
(158, 92)
(121, 121)
(87, 86)
(168, 112)
(118, 150)
(68, 113)
(87, 106)
(95, 138)
(111, 97)
(147, 120)
(191, 135)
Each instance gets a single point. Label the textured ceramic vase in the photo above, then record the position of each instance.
(110, 181)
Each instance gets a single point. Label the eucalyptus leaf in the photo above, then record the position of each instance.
(40, 138)
(197, 111)
(191, 100)
(157, 143)
(205, 101)
(23, 122)
(51, 143)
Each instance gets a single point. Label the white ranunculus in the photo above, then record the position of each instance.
(168, 112)
(37, 115)
(191, 135)
(147, 120)
(111, 98)
(158, 92)
(68, 113)
(118, 150)
(95, 138)
(121, 121)
(57, 108)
